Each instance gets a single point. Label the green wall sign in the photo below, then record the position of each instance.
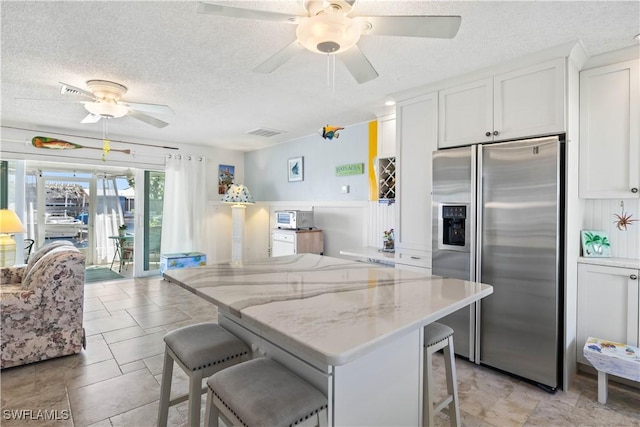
(351, 169)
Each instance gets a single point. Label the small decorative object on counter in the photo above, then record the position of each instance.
(388, 240)
(122, 229)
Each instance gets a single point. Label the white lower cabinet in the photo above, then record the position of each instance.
(608, 305)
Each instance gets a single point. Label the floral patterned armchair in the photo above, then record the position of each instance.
(41, 306)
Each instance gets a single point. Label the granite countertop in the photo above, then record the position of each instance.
(331, 309)
(611, 262)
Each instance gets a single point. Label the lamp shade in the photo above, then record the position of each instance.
(325, 33)
(237, 194)
(10, 223)
(106, 109)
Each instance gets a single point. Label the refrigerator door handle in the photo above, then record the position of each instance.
(478, 247)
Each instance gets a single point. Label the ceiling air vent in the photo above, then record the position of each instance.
(265, 132)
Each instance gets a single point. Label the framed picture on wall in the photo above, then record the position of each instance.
(225, 177)
(296, 169)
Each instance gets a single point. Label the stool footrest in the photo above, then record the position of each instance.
(184, 397)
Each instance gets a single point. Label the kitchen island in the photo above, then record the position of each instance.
(352, 329)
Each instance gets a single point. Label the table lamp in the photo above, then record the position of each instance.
(239, 196)
(9, 225)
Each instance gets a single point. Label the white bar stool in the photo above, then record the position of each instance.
(262, 392)
(200, 350)
(436, 337)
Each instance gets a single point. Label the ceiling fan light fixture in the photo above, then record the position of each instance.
(325, 33)
(106, 109)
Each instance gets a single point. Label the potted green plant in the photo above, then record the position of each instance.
(122, 229)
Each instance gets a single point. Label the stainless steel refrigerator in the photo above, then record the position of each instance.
(498, 219)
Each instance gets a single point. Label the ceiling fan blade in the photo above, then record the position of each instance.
(282, 56)
(91, 118)
(147, 119)
(67, 89)
(148, 108)
(237, 12)
(358, 65)
(443, 27)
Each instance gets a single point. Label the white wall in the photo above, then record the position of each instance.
(267, 179)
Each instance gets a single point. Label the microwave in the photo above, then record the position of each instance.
(295, 220)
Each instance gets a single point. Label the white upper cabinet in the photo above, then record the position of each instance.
(466, 114)
(522, 103)
(417, 121)
(387, 136)
(609, 132)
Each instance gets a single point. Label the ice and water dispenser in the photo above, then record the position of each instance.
(454, 227)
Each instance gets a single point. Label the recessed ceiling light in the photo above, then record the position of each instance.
(389, 102)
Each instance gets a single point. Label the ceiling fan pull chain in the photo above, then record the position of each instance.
(333, 76)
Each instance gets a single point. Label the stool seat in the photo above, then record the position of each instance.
(436, 332)
(204, 345)
(200, 350)
(263, 392)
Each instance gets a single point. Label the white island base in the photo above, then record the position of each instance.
(381, 388)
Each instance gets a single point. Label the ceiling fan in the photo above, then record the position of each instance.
(107, 103)
(328, 29)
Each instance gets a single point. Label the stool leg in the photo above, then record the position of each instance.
(211, 411)
(452, 383)
(195, 395)
(428, 384)
(165, 389)
(602, 386)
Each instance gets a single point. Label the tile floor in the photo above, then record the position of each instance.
(116, 380)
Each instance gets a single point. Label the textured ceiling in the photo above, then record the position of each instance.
(200, 65)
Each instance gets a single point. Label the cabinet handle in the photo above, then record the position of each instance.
(634, 190)
(495, 132)
(487, 134)
(415, 257)
(633, 277)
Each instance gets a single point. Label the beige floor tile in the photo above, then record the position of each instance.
(144, 309)
(146, 416)
(91, 374)
(112, 397)
(106, 324)
(95, 314)
(133, 349)
(92, 304)
(96, 351)
(159, 318)
(133, 366)
(123, 334)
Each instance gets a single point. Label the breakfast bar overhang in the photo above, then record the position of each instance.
(351, 329)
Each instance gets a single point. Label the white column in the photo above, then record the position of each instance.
(237, 232)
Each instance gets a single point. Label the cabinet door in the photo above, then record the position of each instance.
(387, 136)
(530, 101)
(465, 114)
(607, 305)
(417, 125)
(609, 132)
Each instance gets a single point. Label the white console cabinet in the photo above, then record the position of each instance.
(608, 305)
(291, 242)
(522, 103)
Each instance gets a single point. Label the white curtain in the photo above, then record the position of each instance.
(184, 205)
